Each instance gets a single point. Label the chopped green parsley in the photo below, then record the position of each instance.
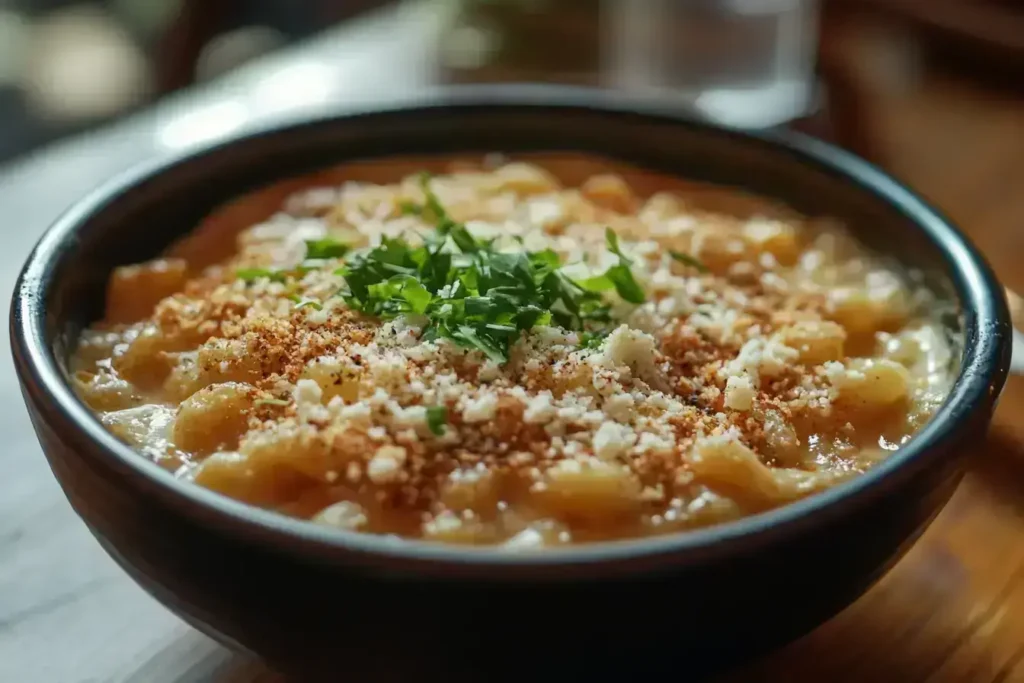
(468, 291)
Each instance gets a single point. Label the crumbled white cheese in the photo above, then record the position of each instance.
(411, 417)
(386, 464)
(739, 393)
(357, 413)
(619, 407)
(342, 515)
(650, 442)
(760, 230)
(307, 391)
(527, 539)
(445, 523)
(388, 370)
(759, 357)
(544, 211)
(481, 409)
(489, 371)
(627, 347)
(613, 440)
(540, 409)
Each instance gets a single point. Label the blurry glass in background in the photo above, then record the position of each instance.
(747, 63)
(743, 62)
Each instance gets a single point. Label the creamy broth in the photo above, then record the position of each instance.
(542, 352)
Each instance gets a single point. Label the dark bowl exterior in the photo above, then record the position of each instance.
(313, 602)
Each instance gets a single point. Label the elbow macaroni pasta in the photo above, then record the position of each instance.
(774, 359)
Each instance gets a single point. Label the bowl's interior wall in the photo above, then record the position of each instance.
(146, 218)
(213, 239)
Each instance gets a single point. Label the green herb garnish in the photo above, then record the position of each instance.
(611, 240)
(431, 202)
(625, 284)
(325, 248)
(409, 208)
(437, 418)
(467, 291)
(620, 275)
(593, 340)
(253, 274)
(688, 260)
(317, 251)
(271, 402)
(311, 303)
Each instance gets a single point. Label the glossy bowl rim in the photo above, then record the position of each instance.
(983, 370)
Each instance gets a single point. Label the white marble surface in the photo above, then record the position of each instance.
(67, 613)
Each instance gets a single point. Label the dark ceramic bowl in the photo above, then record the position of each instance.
(309, 599)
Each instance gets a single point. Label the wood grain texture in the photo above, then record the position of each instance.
(951, 612)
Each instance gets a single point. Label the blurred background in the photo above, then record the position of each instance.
(67, 65)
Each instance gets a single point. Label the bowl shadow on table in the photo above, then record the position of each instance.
(927, 615)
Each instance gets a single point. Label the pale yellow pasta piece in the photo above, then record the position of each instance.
(147, 427)
(214, 418)
(543, 533)
(611, 192)
(855, 311)
(133, 291)
(902, 348)
(144, 361)
(817, 341)
(781, 438)
(660, 207)
(218, 360)
(235, 475)
(105, 391)
(229, 360)
(303, 449)
(524, 179)
(471, 490)
(870, 383)
(836, 244)
(184, 378)
(861, 312)
(724, 460)
(98, 345)
(923, 350)
(449, 527)
(346, 515)
(739, 393)
(793, 484)
(706, 507)
(334, 379)
(718, 247)
(591, 490)
(773, 237)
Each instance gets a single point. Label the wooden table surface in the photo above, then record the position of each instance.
(951, 611)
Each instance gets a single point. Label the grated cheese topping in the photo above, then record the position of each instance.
(769, 359)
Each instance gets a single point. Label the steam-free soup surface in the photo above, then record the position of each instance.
(490, 356)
